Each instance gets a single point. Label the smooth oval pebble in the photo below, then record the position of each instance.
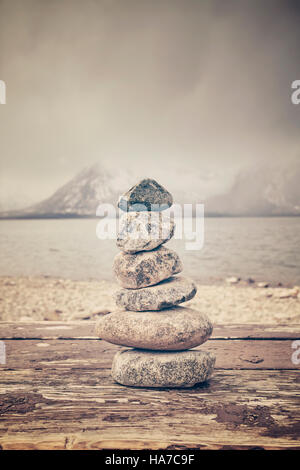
(178, 328)
(162, 369)
(144, 231)
(146, 268)
(166, 294)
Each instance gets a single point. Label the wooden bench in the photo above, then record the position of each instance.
(56, 392)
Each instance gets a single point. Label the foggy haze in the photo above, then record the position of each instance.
(186, 91)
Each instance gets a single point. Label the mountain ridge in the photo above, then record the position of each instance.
(255, 192)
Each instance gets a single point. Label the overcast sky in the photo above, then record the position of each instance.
(177, 88)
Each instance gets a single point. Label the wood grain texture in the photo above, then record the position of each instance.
(58, 394)
(86, 330)
(54, 354)
(85, 409)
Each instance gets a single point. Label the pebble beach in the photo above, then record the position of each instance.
(228, 301)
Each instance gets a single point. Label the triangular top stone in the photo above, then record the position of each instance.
(147, 195)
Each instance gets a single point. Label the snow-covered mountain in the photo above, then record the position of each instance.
(260, 191)
(255, 192)
(79, 197)
(97, 184)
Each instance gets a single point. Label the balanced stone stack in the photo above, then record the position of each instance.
(149, 318)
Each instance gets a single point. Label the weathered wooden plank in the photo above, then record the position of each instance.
(86, 330)
(69, 354)
(47, 330)
(256, 331)
(85, 409)
(58, 393)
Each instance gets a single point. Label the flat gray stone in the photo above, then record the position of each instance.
(173, 329)
(144, 231)
(146, 268)
(166, 294)
(147, 195)
(162, 369)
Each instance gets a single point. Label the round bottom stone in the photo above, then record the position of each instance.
(140, 368)
(172, 329)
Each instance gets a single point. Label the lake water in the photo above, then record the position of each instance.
(261, 248)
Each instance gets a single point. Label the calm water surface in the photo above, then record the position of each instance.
(261, 248)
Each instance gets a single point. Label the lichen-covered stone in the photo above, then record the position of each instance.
(166, 294)
(144, 231)
(162, 369)
(147, 195)
(146, 268)
(178, 328)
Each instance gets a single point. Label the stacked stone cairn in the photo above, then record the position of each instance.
(149, 318)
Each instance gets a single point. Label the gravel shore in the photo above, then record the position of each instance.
(44, 298)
